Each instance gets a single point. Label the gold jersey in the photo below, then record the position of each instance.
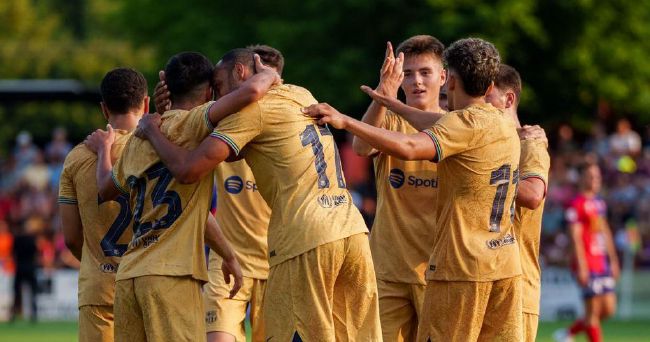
(478, 156)
(244, 217)
(298, 172)
(106, 224)
(401, 237)
(168, 217)
(534, 163)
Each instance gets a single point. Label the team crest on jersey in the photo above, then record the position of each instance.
(396, 178)
(233, 184)
(210, 316)
(330, 201)
(508, 239)
(108, 268)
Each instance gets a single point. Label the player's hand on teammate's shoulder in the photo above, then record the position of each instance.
(100, 139)
(232, 267)
(161, 95)
(148, 124)
(532, 132)
(261, 67)
(391, 74)
(326, 114)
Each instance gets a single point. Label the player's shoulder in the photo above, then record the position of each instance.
(291, 92)
(80, 154)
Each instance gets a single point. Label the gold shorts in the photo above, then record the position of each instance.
(531, 322)
(472, 311)
(400, 305)
(227, 315)
(159, 308)
(326, 294)
(96, 323)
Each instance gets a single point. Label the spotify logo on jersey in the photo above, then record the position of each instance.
(233, 184)
(396, 178)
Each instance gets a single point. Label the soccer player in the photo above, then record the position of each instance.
(473, 290)
(96, 231)
(534, 165)
(244, 218)
(400, 238)
(321, 283)
(158, 287)
(594, 261)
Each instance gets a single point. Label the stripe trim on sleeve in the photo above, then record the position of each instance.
(227, 140)
(206, 117)
(117, 184)
(66, 200)
(436, 143)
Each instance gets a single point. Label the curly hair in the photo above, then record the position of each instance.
(477, 63)
(123, 90)
(420, 45)
(269, 56)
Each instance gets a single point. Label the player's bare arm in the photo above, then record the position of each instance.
(408, 147)
(579, 250)
(100, 142)
(185, 165)
(531, 192)
(611, 252)
(418, 118)
(72, 228)
(532, 132)
(215, 239)
(390, 78)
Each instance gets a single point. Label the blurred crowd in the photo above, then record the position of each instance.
(29, 177)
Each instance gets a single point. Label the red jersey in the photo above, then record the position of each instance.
(591, 215)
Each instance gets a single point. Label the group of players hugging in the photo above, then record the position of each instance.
(453, 253)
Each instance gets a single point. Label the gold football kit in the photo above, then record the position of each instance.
(106, 233)
(298, 173)
(475, 255)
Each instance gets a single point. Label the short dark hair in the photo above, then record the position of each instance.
(269, 56)
(477, 63)
(420, 45)
(240, 55)
(123, 89)
(509, 78)
(186, 71)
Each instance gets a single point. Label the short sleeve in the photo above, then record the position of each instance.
(239, 129)
(199, 119)
(452, 134)
(535, 160)
(67, 191)
(119, 176)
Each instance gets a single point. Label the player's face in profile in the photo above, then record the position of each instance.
(592, 179)
(422, 80)
(222, 82)
(496, 97)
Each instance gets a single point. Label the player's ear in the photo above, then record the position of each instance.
(239, 71)
(105, 111)
(146, 104)
(510, 99)
(443, 77)
(489, 89)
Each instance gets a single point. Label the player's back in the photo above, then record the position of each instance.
(478, 172)
(298, 172)
(168, 217)
(106, 224)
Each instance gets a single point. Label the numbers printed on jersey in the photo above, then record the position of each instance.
(501, 178)
(109, 243)
(160, 195)
(310, 137)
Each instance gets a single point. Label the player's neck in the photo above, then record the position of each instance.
(588, 193)
(513, 114)
(185, 105)
(432, 107)
(126, 122)
(463, 101)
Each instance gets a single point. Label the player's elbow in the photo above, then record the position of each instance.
(361, 148)
(187, 175)
(530, 202)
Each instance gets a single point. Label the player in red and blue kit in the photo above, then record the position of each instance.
(594, 261)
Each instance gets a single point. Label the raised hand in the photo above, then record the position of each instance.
(261, 67)
(532, 132)
(391, 74)
(147, 125)
(232, 268)
(100, 139)
(326, 114)
(161, 95)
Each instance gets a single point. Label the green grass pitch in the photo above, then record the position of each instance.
(615, 331)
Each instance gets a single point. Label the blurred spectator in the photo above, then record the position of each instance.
(25, 255)
(55, 153)
(6, 249)
(625, 141)
(565, 143)
(25, 152)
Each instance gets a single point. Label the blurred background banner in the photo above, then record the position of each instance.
(583, 63)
